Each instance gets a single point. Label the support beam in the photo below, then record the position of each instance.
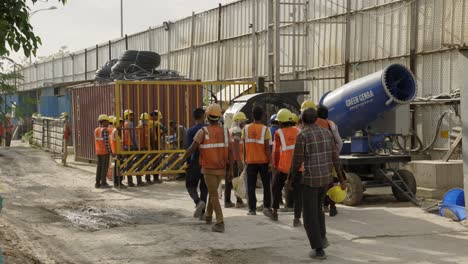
(463, 85)
(347, 41)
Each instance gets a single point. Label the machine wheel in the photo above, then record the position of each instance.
(355, 189)
(409, 179)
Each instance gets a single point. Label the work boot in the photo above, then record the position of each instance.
(105, 186)
(240, 205)
(208, 220)
(131, 184)
(326, 209)
(199, 209)
(252, 212)
(333, 211)
(218, 227)
(141, 184)
(267, 212)
(229, 205)
(318, 254)
(274, 216)
(97, 185)
(121, 186)
(149, 182)
(202, 217)
(297, 222)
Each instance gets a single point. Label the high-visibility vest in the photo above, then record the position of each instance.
(323, 123)
(214, 148)
(254, 140)
(99, 141)
(143, 136)
(128, 142)
(110, 128)
(241, 147)
(113, 140)
(287, 138)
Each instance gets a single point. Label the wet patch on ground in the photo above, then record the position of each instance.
(94, 218)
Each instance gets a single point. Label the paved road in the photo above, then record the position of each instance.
(53, 214)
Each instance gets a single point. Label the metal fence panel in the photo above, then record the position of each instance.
(206, 27)
(139, 41)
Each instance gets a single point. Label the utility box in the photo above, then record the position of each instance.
(396, 121)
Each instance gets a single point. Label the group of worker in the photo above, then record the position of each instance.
(6, 133)
(148, 134)
(302, 154)
(299, 153)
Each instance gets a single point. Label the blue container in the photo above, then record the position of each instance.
(454, 197)
(458, 211)
(360, 102)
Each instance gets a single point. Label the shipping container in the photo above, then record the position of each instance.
(175, 100)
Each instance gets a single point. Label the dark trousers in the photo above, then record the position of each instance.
(228, 184)
(117, 178)
(252, 171)
(296, 195)
(193, 180)
(102, 167)
(279, 179)
(314, 218)
(8, 139)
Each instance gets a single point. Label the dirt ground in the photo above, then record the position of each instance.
(52, 214)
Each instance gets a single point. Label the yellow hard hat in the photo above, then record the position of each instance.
(64, 114)
(308, 104)
(283, 115)
(294, 118)
(144, 116)
(8, 115)
(157, 112)
(103, 117)
(214, 110)
(240, 116)
(112, 119)
(337, 194)
(127, 112)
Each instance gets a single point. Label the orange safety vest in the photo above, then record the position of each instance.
(214, 148)
(287, 138)
(323, 123)
(128, 142)
(113, 140)
(99, 141)
(241, 147)
(254, 138)
(143, 136)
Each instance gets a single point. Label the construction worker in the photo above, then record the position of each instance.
(285, 139)
(101, 138)
(308, 104)
(194, 178)
(158, 132)
(8, 130)
(315, 151)
(237, 146)
(130, 142)
(143, 132)
(115, 136)
(257, 150)
(274, 125)
(66, 137)
(215, 152)
(323, 122)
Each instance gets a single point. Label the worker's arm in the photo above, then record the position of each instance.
(297, 160)
(276, 150)
(231, 163)
(267, 148)
(336, 135)
(197, 140)
(337, 165)
(105, 135)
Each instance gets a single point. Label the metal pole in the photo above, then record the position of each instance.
(276, 46)
(347, 41)
(218, 51)
(121, 18)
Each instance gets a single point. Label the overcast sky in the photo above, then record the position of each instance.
(84, 23)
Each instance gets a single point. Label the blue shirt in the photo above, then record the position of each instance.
(190, 135)
(273, 130)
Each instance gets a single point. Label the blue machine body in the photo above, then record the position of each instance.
(360, 102)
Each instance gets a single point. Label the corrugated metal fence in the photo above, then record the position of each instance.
(232, 42)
